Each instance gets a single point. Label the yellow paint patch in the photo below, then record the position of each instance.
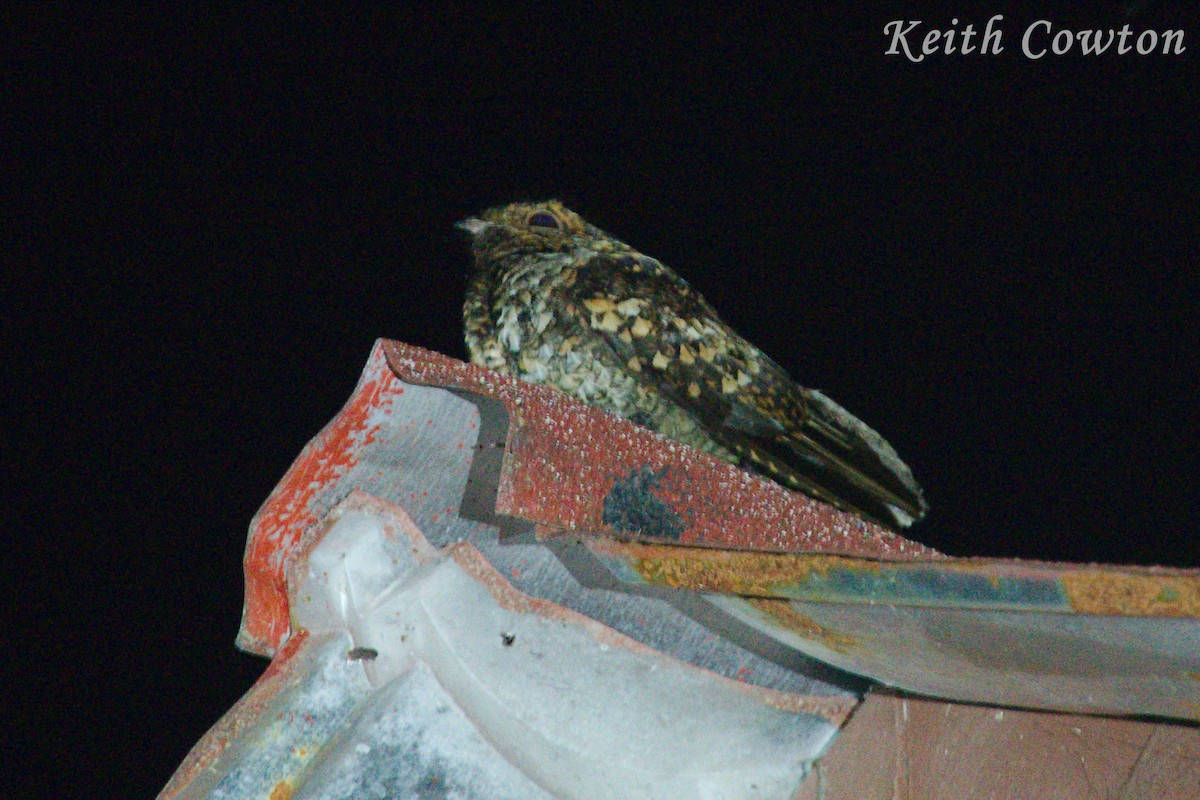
(624, 336)
(743, 379)
(635, 364)
(693, 389)
(686, 355)
(640, 327)
(707, 353)
(728, 385)
(660, 361)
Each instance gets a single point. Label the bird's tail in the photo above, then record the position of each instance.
(837, 458)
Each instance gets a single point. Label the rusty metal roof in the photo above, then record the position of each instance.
(561, 582)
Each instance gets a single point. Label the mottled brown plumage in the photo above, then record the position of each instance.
(557, 301)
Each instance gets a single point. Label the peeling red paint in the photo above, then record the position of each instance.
(288, 511)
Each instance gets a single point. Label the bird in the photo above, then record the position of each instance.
(551, 299)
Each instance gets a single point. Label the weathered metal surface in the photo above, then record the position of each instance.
(573, 469)
(515, 454)
(421, 671)
(961, 583)
(911, 748)
(552, 514)
(979, 630)
(1070, 662)
(440, 456)
(307, 491)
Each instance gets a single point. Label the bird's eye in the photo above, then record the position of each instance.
(541, 219)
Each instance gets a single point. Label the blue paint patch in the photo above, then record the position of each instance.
(631, 507)
(929, 586)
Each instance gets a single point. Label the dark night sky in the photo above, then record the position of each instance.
(992, 260)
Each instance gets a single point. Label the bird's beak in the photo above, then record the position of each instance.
(473, 226)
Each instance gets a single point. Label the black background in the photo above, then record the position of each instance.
(991, 260)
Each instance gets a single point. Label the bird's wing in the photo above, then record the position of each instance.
(664, 332)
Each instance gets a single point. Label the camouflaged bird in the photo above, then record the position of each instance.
(555, 300)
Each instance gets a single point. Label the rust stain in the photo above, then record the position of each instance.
(282, 791)
(783, 613)
(1126, 594)
(741, 573)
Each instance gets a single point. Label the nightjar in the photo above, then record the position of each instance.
(555, 300)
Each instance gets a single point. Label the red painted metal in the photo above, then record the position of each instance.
(289, 510)
(563, 459)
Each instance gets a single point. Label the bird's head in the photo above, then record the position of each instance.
(545, 227)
